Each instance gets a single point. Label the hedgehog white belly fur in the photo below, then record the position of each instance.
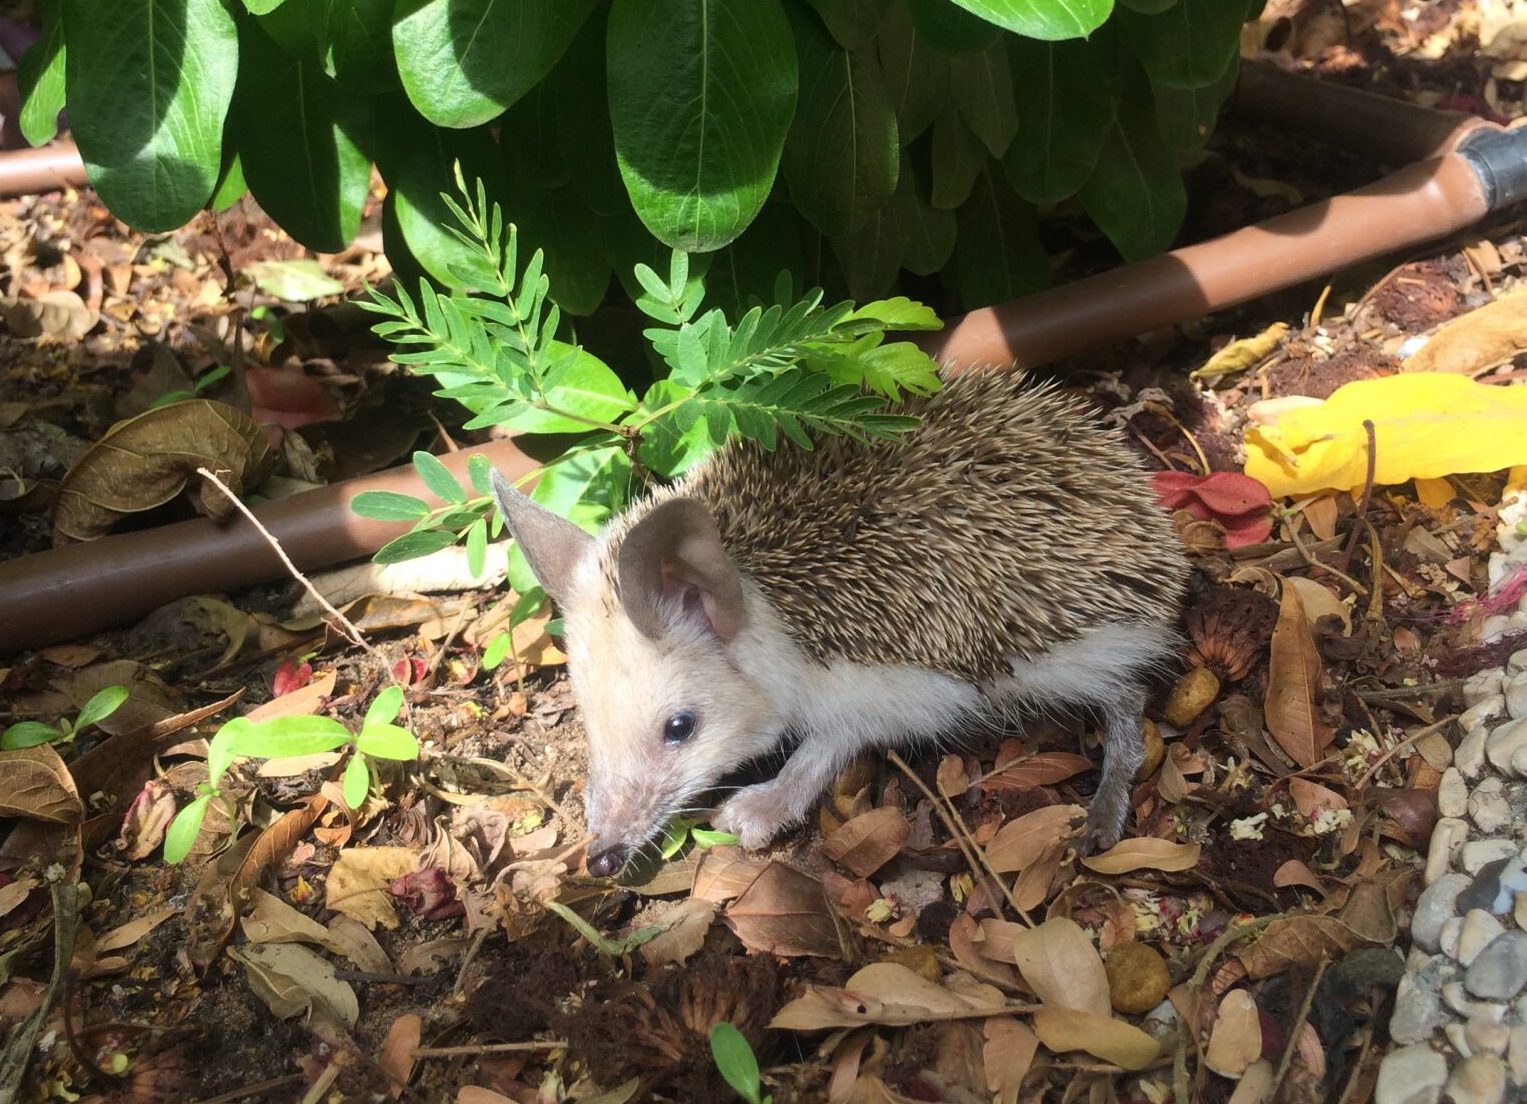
(1009, 553)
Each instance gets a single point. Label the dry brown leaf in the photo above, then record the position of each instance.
(1293, 680)
(684, 928)
(1369, 918)
(1038, 878)
(785, 912)
(969, 947)
(1292, 873)
(145, 461)
(993, 939)
(726, 872)
(1256, 1084)
(1236, 1039)
(1312, 799)
(1145, 853)
(1044, 769)
(359, 879)
(867, 842)
(38, 786)
(1009, 1052)
(1319, 602)
(397, 1057)
(476, 1094)
(1491, 334)
(129, 933)
(1321, 513)
(14, 893)
(301, 702)
(1062, 1030)
(293, 980)
(272, 920)
(952, 779)
(1019, 843)
(882, 993)
(1062, 966)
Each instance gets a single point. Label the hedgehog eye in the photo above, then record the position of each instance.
(679, 727)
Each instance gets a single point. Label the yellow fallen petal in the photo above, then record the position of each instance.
(1426, 425)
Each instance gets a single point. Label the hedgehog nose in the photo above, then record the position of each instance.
(606, 861)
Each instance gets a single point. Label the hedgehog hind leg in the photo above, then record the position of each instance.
(1123, 752)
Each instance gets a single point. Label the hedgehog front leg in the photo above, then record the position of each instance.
(756, 814)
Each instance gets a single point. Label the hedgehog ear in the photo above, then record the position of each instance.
(552, 544)
(673, 557)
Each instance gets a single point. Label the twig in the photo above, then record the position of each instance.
(345, 623)
(1319, 308)
(1399, 693)
(975, 856)
(1293, 1035)
(1232, 934)
(487, 1048)
(1362, 507)
(1419, 734)
(1309, 558)
(256, 1089)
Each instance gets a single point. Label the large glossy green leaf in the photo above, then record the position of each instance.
(149, 86)
(1068, 94)
(299, 138)
(464, 61)
(1190, 44)
(871, 256)
(982, 86)
(1046, 19)
(853, 24)
(349, 40)
(1135, 193)
(998, 255)
(40, 78)
(957, 157)
(744, 272)
(1187, 115)
(581, 93)
(950, 28)
(916, 75)
(701, 97)
(842, 156)
(929, 232)
(557, 223)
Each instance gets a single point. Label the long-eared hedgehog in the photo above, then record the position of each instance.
(1008, 554)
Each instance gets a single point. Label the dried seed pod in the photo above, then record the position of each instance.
(1229, 627)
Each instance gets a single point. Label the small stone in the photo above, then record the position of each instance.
(1488, 890)
(1469, 758)
(1519, 762)
(1458, 1039)
(1514, 666)
(1456, 997)
(1474, 855)
(1418, 1011)
(1433, 909)
(1138, 978)
(1452, 794)
(1480, 1079)
(1447, 940)
(1447, 837)
(1479, 929)
(1516, 1054)
(1488, 808)
(1503, 742)
(1495, 625)
(1516, 696)
(1411, 1075)
(1483, 712)
(1485, 1037)
(1484, 684)
(1194, 693)
(1500, 970)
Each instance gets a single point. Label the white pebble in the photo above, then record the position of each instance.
(1473, 855)
(1496, 625)
(1485, 1037)
(1478, 929)
(1477, 1080)
(1484, 684)
(1514, 666)
(1516, 1054)
(1457, 1036)
(1452, 932)
(1500, 970)
(1411, 1075)
(1434, 907)
(1470, 756)
(1447, 837)
(1488, 808)
(1516, 696)
(1503, 743)
(1456, 997)
(1483, 711)
(1452, 794)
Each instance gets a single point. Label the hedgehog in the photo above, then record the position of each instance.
(1004, 556)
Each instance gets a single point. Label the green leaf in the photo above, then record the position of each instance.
(25, 734)
(1068, 98)
(438, 478)
(957, 158)
(1135, 194)
(299, 280)
(465, 61)
(843, 155)
(282, 737)
(897, 367)
(1147, 7)
(853, 24)
(410, 546)
(929, 231)
(227, 744)
(581, 391)
(356, 783)
(477, 547)
(558, 224)
(669, 448)
(998, 256)
(299, 139)
(40, 78)
(389, 506)
(871, 255)
(950, 29)
(982, 88)
(1187, 116)
(478, 469)
(710, 837)
(102, 704)
(384, 707)
(743, 274)
(181, 835)
(1047, 19)
(497, 651)
(899, 313)
(916, 75)
(231, 188)
(149, 87)
(388, 742)
(701, 95)
(612, 947)
(735, 1061)
(586, 487)
(1190, 44)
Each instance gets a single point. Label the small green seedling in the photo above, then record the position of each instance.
(682, 829)
(31, 733)
(737, 1063)
(203, 381)
(614, 948)
(281, 737)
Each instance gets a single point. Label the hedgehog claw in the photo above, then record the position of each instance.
(756, 814)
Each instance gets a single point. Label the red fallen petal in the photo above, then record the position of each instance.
(1233, 493)
(1174, 488)
(1241, 531)
(289, 676)
(287, 397)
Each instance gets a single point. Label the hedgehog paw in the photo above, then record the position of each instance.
(755, 814)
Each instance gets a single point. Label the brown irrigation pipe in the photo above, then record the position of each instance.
(76, 589)
(1467, 169)
(45, 169)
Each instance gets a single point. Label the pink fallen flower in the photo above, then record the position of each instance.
(1236, 501)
